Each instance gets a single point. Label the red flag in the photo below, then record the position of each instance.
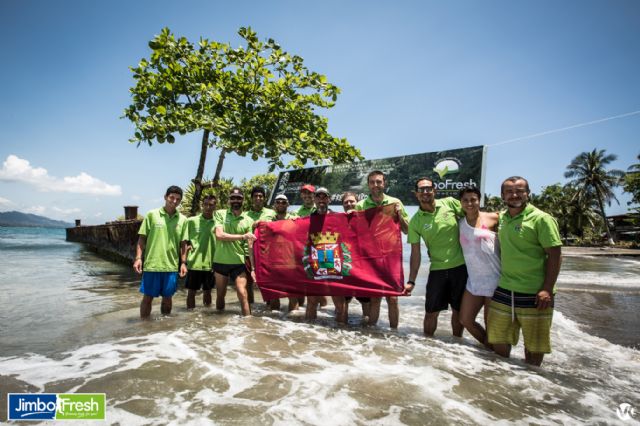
(340, 254)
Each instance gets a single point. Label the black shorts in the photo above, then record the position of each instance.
(198, 279)
(359, 299)
(445, 287)
(231, 271)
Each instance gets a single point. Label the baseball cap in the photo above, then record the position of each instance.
(282, 197)
(322, 190)
(308, 187)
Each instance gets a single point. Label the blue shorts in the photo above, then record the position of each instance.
(156, 284)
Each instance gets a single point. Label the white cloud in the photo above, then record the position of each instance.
(15, 169)
(135, 198)
(66, 211)
(5, 202)
(99, 214)
(39, 210)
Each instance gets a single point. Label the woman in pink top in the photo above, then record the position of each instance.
(479, 241)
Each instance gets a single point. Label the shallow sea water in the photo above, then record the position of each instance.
(70, 324)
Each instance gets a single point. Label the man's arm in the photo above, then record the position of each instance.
(544, 297)
(137, 263)
(414, 267)
(185, 246)
(223, 236)
(404, 221)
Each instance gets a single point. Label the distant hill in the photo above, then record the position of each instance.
(25, 219)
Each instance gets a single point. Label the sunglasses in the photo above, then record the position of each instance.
(281, 202)
(236, 198)
(427, 189)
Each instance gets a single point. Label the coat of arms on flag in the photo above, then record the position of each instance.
(325, 257)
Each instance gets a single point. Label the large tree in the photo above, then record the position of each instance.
(255, 100)
(591, 178)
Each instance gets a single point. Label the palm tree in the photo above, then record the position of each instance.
(591, 178)
(632, 182)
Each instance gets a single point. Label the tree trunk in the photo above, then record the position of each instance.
(197, 181)
(604, 217)
(216, 177)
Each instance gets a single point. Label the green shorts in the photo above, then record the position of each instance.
(505, 329)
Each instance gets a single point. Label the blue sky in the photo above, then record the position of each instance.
(415, 77)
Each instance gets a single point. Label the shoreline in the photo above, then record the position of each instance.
(598, 251)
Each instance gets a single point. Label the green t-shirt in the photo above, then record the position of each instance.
(440, 233)
(368, 203)
(287, 216)
(305, 211)
(522, 242)
(232, 252)
(265, 214)
(199, 232)
(163, 232)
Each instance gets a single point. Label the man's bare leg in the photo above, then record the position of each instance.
(374, 310)
(456, 326)
(294, 303)
(221, 290)
(322, 300)
(191, 299)
(166, 305)
(341, 309)
(430, 323)
(274, 304)
(502, 349)
(394, 311)
(533, 358)
(145, 307)
(311, 312)
(206, 297)
(241, 291)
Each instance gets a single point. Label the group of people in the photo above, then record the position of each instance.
(506, 263)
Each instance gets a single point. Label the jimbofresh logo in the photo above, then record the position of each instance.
(52, 406)
(447, 166)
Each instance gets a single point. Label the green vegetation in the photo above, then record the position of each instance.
(255, 100)
(591, 178)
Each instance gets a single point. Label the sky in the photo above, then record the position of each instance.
(522, 77)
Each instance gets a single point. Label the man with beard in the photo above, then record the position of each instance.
(376, 198)
(531, 256)
(196, 255)
(159, 241)
(234, 241)
(436, 221)
(321, 198)
(281, 213)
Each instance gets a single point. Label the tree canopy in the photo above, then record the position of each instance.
(255, 100)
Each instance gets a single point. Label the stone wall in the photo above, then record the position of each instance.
(116, 240)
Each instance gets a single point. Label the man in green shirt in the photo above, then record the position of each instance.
(436, 222)
(530, 248)
(196, 253)
(258, 211)
(307, 193)
(377, 197)
(281, 204)
(159, 241)
(308, 203)
(234, 242)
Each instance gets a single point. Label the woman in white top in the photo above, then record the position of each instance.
(479, 241)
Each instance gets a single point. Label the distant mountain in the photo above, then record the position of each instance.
(25, 219)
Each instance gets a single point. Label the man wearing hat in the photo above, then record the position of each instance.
(321, 198)
(308, 205)
(280, 206)
(234, 239)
